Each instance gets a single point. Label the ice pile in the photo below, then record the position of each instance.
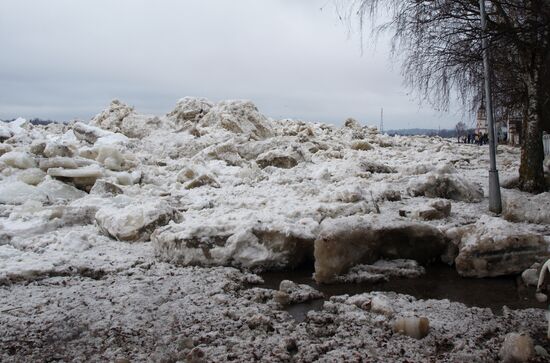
(494, 247)
(382, 270)
(221, 184)
(292, 293)
(345, 242)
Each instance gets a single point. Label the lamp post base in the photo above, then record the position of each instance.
(495, 203)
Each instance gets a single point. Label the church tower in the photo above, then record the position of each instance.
(481, 124)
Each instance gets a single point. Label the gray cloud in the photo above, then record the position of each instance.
(64, 59)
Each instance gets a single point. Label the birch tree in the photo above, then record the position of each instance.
(439, 44)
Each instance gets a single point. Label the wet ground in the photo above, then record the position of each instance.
(439, 282)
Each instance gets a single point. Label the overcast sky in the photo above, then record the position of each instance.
(65, 59)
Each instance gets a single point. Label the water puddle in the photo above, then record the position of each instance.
(439, 282)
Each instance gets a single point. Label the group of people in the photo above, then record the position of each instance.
(471, 138)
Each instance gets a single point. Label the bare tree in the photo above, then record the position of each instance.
(439, 42)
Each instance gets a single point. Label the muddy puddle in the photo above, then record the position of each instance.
(439, 282)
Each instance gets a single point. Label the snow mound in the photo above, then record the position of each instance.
(5, 148)
(191, 109)
(32, 219)
(285, 159)
(448, 186)
(424, 168)
(134, 222)
(105, 188)
(292, 293)
(13, 128)
(18, 193)
(361, 145)
(84, 177)
(63, 250)
(64, 162)
(32, 176)
(57, 191)
(524, 207)
(5, 132)
(221, 242)
(53, 149)
(239, 117)
(226, 151)
(97, 135)
(495, 247)
(47, 191)
(112, 117)
(18, 159)
(112, 158)
(437, 209)
(374, 167)
(121, 118)
(140, 126)
(196, 175)
(345, 242)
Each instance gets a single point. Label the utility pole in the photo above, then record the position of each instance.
(382, 120)
(495, 203)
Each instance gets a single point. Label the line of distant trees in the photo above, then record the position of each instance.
(35, 121)
(445, 133)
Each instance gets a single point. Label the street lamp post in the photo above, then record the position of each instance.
(495, 203)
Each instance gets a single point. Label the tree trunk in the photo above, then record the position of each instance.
(531, 172)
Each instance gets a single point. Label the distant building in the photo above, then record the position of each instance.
(514, 128)
(507, 128)
(481, 123)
